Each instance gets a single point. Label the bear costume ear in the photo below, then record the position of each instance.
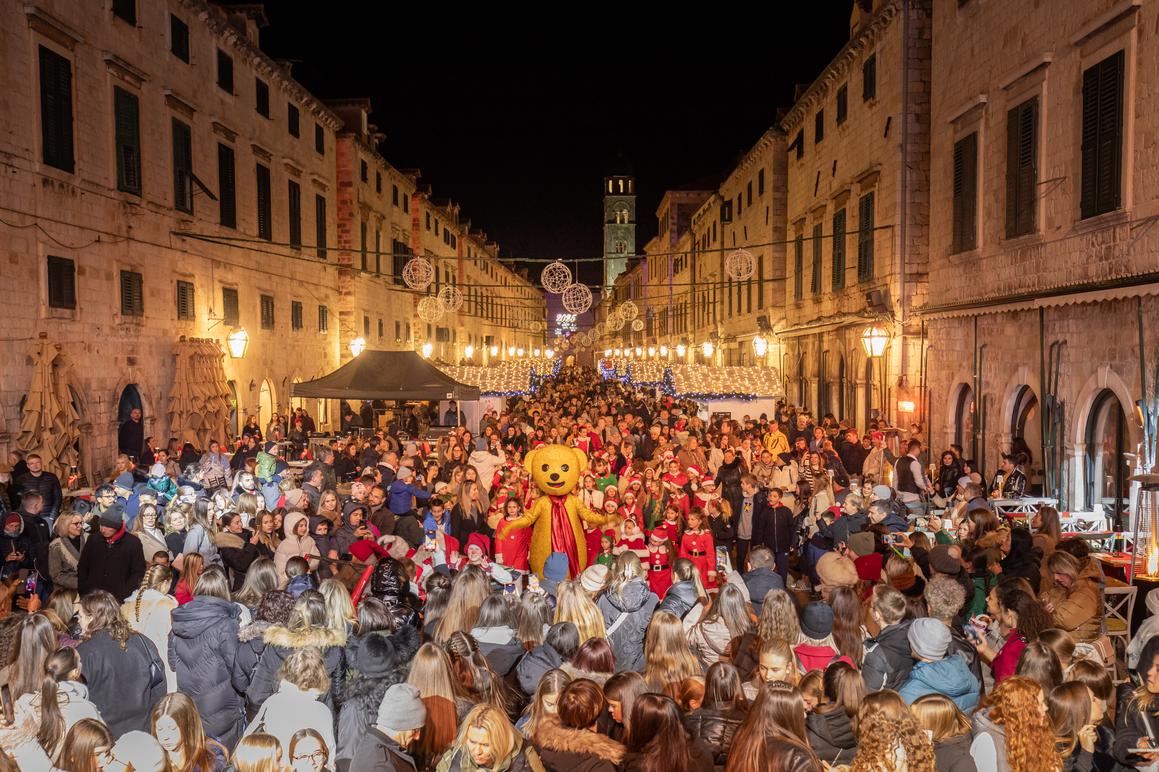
(529, 459)
(581, 459)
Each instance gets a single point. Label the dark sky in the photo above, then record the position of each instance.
(518, 115)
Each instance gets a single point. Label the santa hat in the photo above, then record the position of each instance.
(708, 481)
(627, 494)
(692, 472)
(480, 541)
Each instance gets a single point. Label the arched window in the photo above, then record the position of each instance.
(130, 400)
(964, 435)
(1107, 474)
(1025, 426)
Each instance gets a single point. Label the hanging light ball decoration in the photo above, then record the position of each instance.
(615, 323)
(740, 265)
(637, 325)
(563, 345)
(598, 329)
(584, 340)
(555, 277)
(538, 326)
(430, 309)
(628, 310)
(418, 273)
(577, 298)
(450, 298)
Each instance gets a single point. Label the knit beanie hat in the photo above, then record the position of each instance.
(929, 638)
(114, 516)
(594, 578)
(861, 543)
(402, 709)
(124, 481)
(296, 499)
(12, 519)
(817, 620)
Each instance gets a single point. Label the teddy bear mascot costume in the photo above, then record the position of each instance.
(555, 517)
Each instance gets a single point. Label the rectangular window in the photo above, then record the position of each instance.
(294, 202)
(397, 331)
(61, 282)
(265, 220)
(363, 171)
(842, 103)
(1021, 168)
(126, 109)
(869, 78)
(186, 309)
(224, 71)
(406, 202)
(319, 139)
(230, 311)
(267, 312)
(965, 184)
(293, 120)
(739, 204)
(798, 145)
(366, 326)
(377, 251)
(132, 294)
(56, 109)
(394, 195)
(182, 167)
(320, 224)
(865, 237)
(401, 254)
(296, 315)
(226, 186)
(815, 284)
(323, 319)
(799, 268)
(749, 193)
(125, 10)
(378, 182)
(362, 233)
(179, 38)
(262, 97)
(428, 214)
(818, 127)
(380, 329)
(838, 249)
(407, 327)
(761, 182)
(1102, 137)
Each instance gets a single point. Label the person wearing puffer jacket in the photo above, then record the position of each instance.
(302, 679)
(1148, 630)
(936, 673)
(202, 648)
(887, 657)
(559, 646)
(272, 611)
(305, 628)
(298, 543)
(627, 607)
(830, 725)
(721, 713)
(686, 590)
(377, 657)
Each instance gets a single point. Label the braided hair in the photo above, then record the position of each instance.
(156, 577)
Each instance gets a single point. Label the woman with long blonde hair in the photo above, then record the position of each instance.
(340, 616)
(469, 589)
(488, 741)
(1012, 731)
(889, 738)
(949, 729)
(573, 605)
(432, 675)
(667, 656)
(176, 725)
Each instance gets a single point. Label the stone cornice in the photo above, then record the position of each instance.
(839, 66)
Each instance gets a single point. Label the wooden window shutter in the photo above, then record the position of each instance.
(1102, 136)
(265, 229)
(182, 167)
(964, 236)
(132, 294)
(229, 306)
(126, 109)
(865, 238)
(320, 225)
(798, 268)
(186, 307)
(815, 284)
(294, 196)
(838, 249)
(56, 110)
(226, 186)
(61, 282)
(1021, 168)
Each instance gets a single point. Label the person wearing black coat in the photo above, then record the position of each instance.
(16, 548)
(680, 598)
(389, 584)
(203, 644)
(43, 482)
(375, 661)
(1135, 720)
(715, 728)
(111, 560)
(1023, 559)
(280, 642)
(728, 478)
(831, 735)
(773, 528)
(238, 549)
(888, 660)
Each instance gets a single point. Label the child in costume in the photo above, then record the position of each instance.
(696, 544)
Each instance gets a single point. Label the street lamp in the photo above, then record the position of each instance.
(358, 345)
(639, 352)
(707, 348)
(874, 340)
(494, 351)
(607, 353)
(651, 351)
(427, 349)
(619, 352)
(664, 351)
(519, 351)
(535, 353)
(681, 350)
(469, 351)
(550, 353)
(760, 346)
(238, 341)
(510, 351)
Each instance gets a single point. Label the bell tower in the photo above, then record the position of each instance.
(619, 226)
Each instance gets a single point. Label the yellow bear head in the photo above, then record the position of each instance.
(555, 468)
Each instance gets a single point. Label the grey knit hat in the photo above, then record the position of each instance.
(929, 638)
(402, 709)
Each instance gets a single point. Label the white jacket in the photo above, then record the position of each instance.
(1148, 630)
(293, 546)
(155, 623)
(289, 709)
(73, 700)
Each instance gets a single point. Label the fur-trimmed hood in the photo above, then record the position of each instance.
(227, 540)
(552, 737)
(253, 631)
(322, 637)
(591, 675)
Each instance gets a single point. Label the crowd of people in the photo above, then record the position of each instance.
(767, 592)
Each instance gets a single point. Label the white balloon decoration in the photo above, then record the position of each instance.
(740, 265)
(555, 277)
(628, 310)
(451, 298)
(418, 273)
(638, 325)
(430, 309)
(577, 298)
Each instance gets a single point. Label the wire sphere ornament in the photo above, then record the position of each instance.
(555, 277)
(577, 298)
(740, 265)
(628, 310)
(615, 323)
(418, 273)
(637, 325)
(450, 298)
(430, 309)
(584, 340)
(563, 345)
(598, 329)
(538, 326)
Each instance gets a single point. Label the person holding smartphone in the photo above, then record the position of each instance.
(1137, 724)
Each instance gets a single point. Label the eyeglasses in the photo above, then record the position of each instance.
(317, 757)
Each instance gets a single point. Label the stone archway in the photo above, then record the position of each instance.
(1087, 409)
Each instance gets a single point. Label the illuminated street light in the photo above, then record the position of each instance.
(760, 345)
(681, 350)
(427, 349)
(358, 345)
(651, 351)
(494, 351)
(510, 351)
(664, 351)
(239, 341)
(550, 353)
(707, 348)
(607, 353)
(874, 340)
(519, 351)
(469, 351)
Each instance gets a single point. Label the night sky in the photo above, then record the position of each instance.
(519, 125)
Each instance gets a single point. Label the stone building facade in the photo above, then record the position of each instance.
(165, 179)
(857, 218)
(1044, 187)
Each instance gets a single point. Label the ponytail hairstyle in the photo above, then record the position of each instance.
(157, 577)
(64, 665)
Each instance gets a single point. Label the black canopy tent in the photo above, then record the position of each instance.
(402, 375)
